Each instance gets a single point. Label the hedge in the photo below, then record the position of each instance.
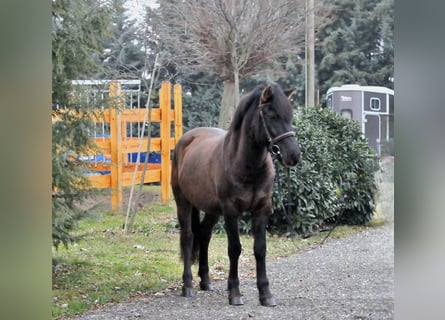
(334, 180)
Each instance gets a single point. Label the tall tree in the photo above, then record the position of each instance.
(132, 50)
(78, 32)
(233, 39)
(201, 100)
(357, 47)
(79, 29)
(384, 69)
(124, 54)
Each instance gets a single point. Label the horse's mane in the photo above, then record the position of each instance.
(281, 102)
(279, 98)
(251, 98)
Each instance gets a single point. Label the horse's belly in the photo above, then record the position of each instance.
(198, 189)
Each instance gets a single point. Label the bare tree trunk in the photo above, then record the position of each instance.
(229, 102)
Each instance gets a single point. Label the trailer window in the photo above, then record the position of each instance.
(329, 102)
(346, 113)
(375, 104)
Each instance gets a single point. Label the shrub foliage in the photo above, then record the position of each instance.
(334, 180)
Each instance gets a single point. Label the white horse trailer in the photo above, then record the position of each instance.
(371, 106)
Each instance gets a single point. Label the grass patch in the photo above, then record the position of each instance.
(108, 266)
(378, 219)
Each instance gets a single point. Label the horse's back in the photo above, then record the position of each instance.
(201, 134)
(196, 166)
(199, 141)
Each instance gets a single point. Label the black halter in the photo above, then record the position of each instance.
(272, 142)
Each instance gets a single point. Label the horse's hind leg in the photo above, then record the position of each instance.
(205, 233)
(184, 211)
(259, 222)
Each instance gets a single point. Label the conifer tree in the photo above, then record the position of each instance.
(357, 46)
(79, 29)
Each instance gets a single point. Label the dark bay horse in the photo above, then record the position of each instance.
(228, 173)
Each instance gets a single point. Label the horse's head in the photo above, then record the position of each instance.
(275, 113)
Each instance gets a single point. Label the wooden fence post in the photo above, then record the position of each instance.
(177, 89)
(165, 106)
(116, 145)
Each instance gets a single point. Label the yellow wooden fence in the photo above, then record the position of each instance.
(118, 144)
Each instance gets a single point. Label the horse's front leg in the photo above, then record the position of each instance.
(234, 249)
(259, 223)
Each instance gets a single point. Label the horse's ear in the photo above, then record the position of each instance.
(289, 92)
(266, 94)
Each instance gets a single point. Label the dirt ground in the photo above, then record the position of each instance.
(102, 200)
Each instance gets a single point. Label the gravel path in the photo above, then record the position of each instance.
(349, 278)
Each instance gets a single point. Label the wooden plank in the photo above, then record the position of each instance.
(153, 174)
(165, 105)
(156, 115)
(99, 166)
(138, 115)
(104, 145)
(132, 145)
(150, 176)
(103, 181)
(150, 166)
(129, 115)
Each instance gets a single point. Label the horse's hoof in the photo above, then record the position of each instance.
(188, 292)
(268, 302)
(236, 301)
(206, 286)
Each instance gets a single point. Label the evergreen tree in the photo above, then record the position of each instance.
(384, 70)
(201, 100)
(357, 46)
(79, 30)
(125, 50)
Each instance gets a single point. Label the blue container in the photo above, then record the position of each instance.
(152, 158)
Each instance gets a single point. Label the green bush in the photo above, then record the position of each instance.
(334, 179)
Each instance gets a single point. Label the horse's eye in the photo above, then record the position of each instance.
(273, 116)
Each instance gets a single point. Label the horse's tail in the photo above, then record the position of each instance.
(196, 234)
(178, 153)
(196, 238)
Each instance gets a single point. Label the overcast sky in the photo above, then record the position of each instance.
(136, 8)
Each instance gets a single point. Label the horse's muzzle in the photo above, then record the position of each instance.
(289, 157)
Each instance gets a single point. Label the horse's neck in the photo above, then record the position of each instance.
(244, 155)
